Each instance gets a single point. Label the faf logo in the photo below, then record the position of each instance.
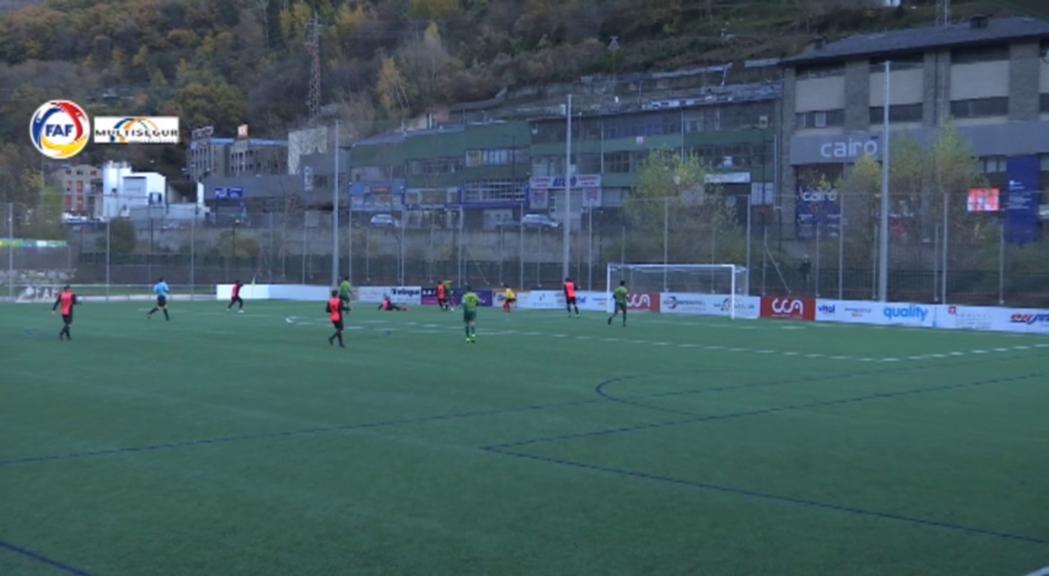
(59, 129)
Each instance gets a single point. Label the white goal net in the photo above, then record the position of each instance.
(727, 280)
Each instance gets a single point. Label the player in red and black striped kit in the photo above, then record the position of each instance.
(334, 310)
(66, 299)
(236, 299)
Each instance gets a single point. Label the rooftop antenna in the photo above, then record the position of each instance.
(943, 12)
(313, 48)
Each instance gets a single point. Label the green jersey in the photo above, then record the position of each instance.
(470, 302)
(345, 289)
(620, 295)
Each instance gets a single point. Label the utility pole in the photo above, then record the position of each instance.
(883, 239)
(566, 219)
(335, 214)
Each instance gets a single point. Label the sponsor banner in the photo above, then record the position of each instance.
(429, 297)
(275, 292)
(643, 302)
(594, 301)
(136, 130)
(708, 304)
(878, 313)
(1023, 320)
(788, 308)
(541, 300)
(486, 295)
(407, 295)
(1022, 225)
(817, 206)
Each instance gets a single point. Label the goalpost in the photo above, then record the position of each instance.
(726, 280)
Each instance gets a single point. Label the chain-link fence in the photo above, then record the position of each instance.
(939, 255)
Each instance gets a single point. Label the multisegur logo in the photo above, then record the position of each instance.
(60, 129)
(136, 130)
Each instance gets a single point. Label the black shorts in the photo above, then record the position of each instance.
(235, 299)
(570, 301)
(162, 301)
(620, 306)
(337, 324)
(67, 318)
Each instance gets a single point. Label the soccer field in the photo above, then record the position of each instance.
(226, 444)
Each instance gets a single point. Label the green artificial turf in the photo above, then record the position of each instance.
(243, 444)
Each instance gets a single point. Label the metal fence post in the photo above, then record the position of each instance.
(946, 249)
(1001, 262)
(816, 287)
(109, 253)
(841, 249)
(666, 239)
(11, 250)
(192, 253)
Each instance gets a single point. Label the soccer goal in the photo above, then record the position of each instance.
(726, 280)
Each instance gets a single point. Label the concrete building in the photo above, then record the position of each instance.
(208, 156)
(124, 190)
(497, 171)
(991, 77)
(254, 156)
(81, 186)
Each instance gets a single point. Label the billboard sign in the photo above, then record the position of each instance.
(788, 308)
(1022, 224)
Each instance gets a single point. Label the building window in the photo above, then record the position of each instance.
(492, 191)
(980, 107)
(897, 113)
(617, 162)
(588, 164)
(825, 71)
(897, 63)
(983, 54)
(489, 157)
(992, 164)
(1044, 99)
(548, 166)
(431, 166)
(820, 119)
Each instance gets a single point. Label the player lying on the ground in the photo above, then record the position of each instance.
(388, 305)
(66, 299)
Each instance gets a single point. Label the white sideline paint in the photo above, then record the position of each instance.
(1040, 572)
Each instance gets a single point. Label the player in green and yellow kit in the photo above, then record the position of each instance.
(619, 297)
(470, 302)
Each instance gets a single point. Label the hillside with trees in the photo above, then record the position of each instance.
(229, 62)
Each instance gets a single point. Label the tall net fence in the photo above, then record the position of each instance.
(936, 255)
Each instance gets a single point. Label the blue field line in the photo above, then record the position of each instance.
(38, 557)
(766, 496)
(478, 414)
(765, 411)
(289, 433)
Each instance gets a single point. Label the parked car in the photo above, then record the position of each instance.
(385, 221)
(531, 221)
(539, 221)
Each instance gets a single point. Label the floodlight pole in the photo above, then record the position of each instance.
(335, 213)
(566, 220)
(11, 251)
(883, 252)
